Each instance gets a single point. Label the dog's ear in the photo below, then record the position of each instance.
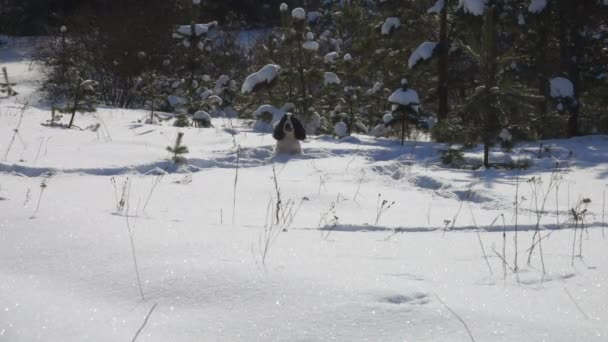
(278, 133)
(299, 131)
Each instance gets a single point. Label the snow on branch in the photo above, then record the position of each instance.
(423, 52)
(474, 7)
(389, 25)
(537, 6)
(561, 88)
(437, 8)
(264, 76)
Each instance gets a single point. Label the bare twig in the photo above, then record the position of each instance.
(154, 184)
(457, 317)
(131, 232)
(575, 303)
(516, 218)
(604, 212)
(236, 180)
(16, 132)
(144, 323)
(483, 251)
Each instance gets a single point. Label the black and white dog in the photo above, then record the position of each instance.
(288, 132)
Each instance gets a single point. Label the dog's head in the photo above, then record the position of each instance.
(289, 125)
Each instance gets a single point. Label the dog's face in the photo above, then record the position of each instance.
(289, 126)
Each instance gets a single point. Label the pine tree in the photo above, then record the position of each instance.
(178, 149)
(405, 108)
(81, 98)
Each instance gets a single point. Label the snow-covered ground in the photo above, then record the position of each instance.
(341, 265)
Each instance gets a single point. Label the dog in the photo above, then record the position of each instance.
(288, 132)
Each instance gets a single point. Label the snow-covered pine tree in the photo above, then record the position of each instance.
(405, 108)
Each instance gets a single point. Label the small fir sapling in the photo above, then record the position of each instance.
(82, 97)
(178, 149)
(405, 103)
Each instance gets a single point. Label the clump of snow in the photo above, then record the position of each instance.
(313, 125)
(221, 84)
(423, 52)
(310, 35)
(341, 129)
(331, 78)
(375, 88)
(310, 45)
(348, 57)
(388, 118)
(199, 29)
(521, 20)
(380, 131)
(437, 8)
(63, 29)
(505, 135)
(313, 16)
(265, 75)
(283, 7)
(201, 115)
(298, 13)
(215, 100)
(404, 97)
(89, 85)
(537, 6)
(330, 57)
(196, 2)
(175, 101)
(561, 87)
(267, 116)
(390, 24)
(474, 7)
(205, 94)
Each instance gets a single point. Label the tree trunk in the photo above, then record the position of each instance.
(443, 64)
(403, 129)
(489, 70)
(541, 63)
(486, 154)
(576, 46)
(76, 103)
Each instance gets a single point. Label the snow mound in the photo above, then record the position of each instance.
(423, 52)
(561, 87)
(264, 76)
